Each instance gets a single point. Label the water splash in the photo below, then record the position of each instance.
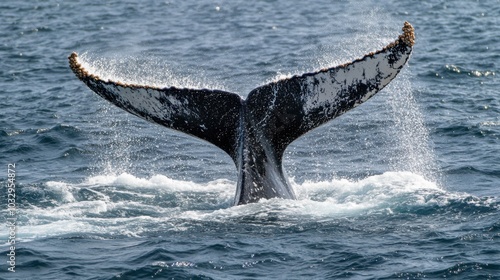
(414, 152)
(369, 33)
(362, 35)
(145, 70)
(114, 141)
(126, 205)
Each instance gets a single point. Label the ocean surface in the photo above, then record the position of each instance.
(406, 186)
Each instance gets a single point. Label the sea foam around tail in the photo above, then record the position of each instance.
(110, 206)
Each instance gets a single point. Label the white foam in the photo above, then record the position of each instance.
(157, 182)
(338, 197)
(63, 189)
(373, 193)
(188, 203)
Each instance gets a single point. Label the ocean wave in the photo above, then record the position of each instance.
(458, 71)
(470, 270)
(454, 69)
(126, 205)
(483, 129)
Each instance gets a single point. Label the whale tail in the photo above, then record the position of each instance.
(276, 113)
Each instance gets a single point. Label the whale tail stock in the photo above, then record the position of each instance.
(255, 132)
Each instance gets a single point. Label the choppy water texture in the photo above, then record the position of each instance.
(405, 186)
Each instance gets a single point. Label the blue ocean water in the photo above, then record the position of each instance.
(404, 186)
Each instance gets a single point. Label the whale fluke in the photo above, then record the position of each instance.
(255, 132)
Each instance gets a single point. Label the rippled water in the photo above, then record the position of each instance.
(405, 186)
